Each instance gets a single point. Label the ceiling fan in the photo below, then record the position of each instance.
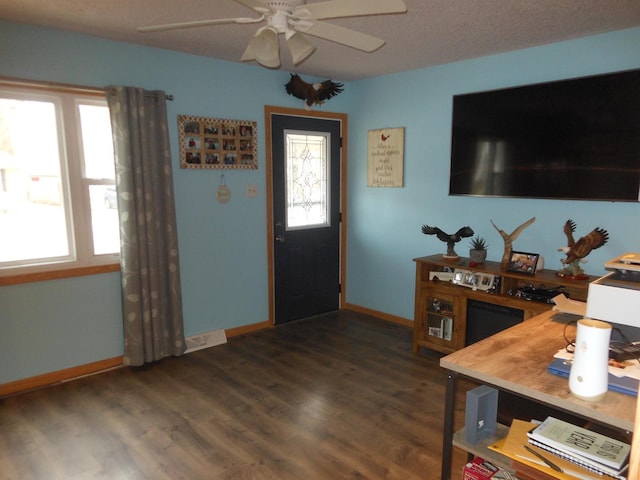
(293, 18)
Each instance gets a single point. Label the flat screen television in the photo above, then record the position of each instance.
(571, 139)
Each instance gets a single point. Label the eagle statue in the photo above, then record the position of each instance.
(312, 93)
(577, 251)
(450, 239)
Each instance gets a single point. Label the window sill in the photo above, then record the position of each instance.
(58, 274)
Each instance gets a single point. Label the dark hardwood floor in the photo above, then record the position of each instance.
(333, 397)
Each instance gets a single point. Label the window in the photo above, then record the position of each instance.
(307, 184)
(57, 181)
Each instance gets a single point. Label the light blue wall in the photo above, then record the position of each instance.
(384, 223)
(59, 324)
(49, 326)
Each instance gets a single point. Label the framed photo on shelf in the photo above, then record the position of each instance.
(485, 281)
(469, 280)
(474, 280)
(217, 143)
(523, 262)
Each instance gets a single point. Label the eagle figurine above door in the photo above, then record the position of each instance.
(312, 93)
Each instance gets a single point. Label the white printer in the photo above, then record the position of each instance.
(615, 297)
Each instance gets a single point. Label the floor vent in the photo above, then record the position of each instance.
(205, 340)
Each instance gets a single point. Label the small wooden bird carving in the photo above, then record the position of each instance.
(450, 239)
(312, 93)
(576, 251)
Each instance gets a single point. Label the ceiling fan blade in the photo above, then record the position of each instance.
(344, 36)
(256, 5)
(198, 23)
(348, 8)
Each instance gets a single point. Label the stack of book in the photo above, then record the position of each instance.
(533, 463)
(592, 451)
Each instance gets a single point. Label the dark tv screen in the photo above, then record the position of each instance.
(571, 139)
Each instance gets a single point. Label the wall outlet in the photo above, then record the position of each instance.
(252, 190)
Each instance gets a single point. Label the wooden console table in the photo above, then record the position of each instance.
(515, 360)
(438, 302)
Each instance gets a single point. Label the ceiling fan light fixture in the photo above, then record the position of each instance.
(247, 55)
(299, 46)
(264, 47)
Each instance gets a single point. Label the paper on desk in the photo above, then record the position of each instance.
(626, 368)
(566, 305)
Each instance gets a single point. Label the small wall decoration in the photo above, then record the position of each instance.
(385, 167)
(217, 143)
(223, 194)
(523, 262)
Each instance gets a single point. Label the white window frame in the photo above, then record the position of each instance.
(76, 186)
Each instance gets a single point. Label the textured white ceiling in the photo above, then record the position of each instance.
(432, 32)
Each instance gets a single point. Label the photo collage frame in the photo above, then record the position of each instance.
(217, 143)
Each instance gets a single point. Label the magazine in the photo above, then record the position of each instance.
(515, 446)
(579, 441)
(583, 462)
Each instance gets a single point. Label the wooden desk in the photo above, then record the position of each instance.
(515, 360)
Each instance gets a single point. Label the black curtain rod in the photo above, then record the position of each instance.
(166, 96)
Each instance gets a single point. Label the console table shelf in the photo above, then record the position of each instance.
(440, 317)
(481, 449)
(515, 361)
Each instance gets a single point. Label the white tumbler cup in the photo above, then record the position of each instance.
(588, 379)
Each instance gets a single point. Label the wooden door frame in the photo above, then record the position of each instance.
(270, 110)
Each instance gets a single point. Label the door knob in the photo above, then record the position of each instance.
(280, 238)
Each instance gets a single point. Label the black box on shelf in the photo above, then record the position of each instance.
(481, 414)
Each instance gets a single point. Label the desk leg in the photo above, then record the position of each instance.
(447, 436)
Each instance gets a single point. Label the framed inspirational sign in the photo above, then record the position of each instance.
(385, 157)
